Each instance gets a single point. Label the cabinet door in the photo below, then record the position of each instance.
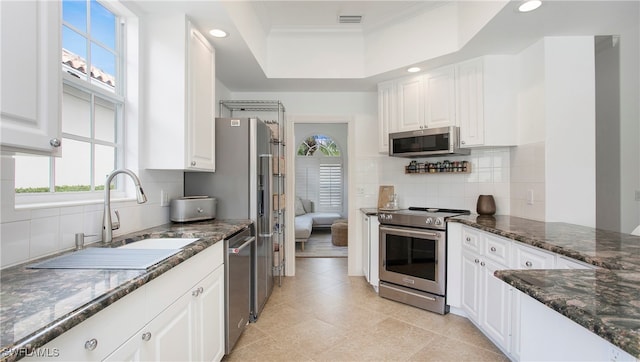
(170, 336)
(366, 242)
(470, 298)
(386, 114)
(495, 304)
(374, 246)
(210, 317)
(201, 99)
(31, 71)
(410, 104)
(440, 98)
(470, 102)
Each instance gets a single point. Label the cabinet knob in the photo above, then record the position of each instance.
(468, 239)
(528, 264)
(55, 142)
(193, 163)
(146, 336)
(463, 142)
(197, 292)
(477, 261)
(482, 263)
(493, 248)
(91, 344)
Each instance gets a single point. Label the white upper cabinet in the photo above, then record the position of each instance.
(386, 114)
(486, 101)
(410, 103)
(426, 101)
(440, 97)
(31, 76)
(180, 83)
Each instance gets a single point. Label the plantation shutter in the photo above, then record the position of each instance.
(307, 178)
(330, 187)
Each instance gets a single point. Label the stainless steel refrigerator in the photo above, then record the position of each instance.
(242, 186)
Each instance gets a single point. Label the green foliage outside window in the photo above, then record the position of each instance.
(325, 144)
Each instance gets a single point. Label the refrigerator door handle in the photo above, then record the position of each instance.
(266, 192)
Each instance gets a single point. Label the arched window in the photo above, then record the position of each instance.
(319, 176)
(325, 144)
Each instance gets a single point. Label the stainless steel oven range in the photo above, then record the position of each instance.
(413, 256)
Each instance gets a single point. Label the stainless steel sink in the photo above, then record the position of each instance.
(139, 255)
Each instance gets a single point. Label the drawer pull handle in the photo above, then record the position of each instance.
(528, 264)
(91, 344)
(146, 336)
(493, 249)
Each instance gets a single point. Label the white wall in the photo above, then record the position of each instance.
(570, 130)
(628, 27)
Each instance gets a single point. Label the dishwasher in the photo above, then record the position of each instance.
(238, 271)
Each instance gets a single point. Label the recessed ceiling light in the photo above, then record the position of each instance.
(218, 33)
(529, 5)
(413, 70)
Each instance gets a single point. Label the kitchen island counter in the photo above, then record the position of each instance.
(38, 305)
(605, 301)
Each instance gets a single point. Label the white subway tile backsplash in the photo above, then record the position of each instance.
(7, 168)
(528, 173)
(70, 224)
(45, 236)
(14, 242)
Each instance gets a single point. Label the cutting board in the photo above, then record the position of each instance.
(384, 194)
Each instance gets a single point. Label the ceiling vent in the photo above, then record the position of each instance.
(349, 19)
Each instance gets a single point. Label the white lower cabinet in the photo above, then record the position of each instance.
(370, 249)
(178, 316)
(564, 341)
(516, 323)
(190, 329)
(485, 298)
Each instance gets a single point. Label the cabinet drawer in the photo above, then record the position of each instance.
(109, 328)
(526, 257)
(471, 240)
(496, 249)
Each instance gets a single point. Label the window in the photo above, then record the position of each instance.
(92, 105)
(319, 173)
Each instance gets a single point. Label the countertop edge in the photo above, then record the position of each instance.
(47, 333)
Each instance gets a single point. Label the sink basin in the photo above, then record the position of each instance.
(107, 258)
(159, 243)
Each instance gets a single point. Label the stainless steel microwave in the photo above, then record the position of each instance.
(430, 142)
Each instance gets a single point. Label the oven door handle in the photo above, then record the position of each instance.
(413, 232)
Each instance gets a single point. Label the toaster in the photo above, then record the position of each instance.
(193, 208)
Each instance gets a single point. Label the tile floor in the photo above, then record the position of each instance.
(322, 314)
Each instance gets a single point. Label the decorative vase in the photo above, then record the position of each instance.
(486, 205)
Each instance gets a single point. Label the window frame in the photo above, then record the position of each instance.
(93, 89)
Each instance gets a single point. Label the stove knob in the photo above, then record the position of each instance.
(429, 221)
(439, 221)
(389, 216)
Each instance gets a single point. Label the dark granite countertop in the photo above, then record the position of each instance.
(606, 301)
(37, 305)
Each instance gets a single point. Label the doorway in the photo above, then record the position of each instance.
(339, 130)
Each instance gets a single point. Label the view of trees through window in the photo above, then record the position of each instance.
(323, 143)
